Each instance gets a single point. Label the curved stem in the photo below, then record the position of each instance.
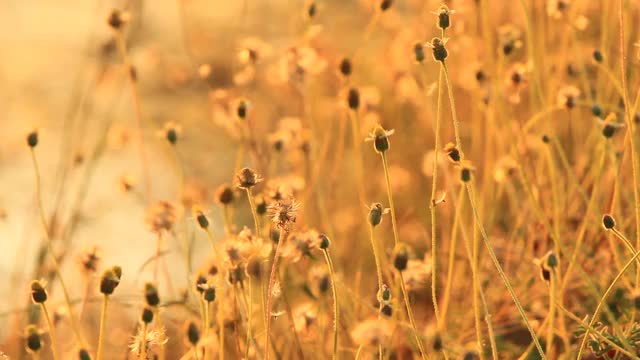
(336, 316)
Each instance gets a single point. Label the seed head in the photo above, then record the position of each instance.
(596, 110)
(171, 132)
(386, 310)
(465, 171)
(38, 292)
(452, 152)
(224, 193)
(418, 52)
(608, 222)
(208, 292)
(32, 138)
(384, 294)
(151, 294)
(201, 218)
(160, 216)
(311, 9)
(608, 130)
(443, 14)
(353, 99)
(400, 257)
(201, 279)
(33, 339)
(247, 178)
(597, 56)
(380, 138)
(261, 205)
(385, 4)
(345, 67)
(324, 242)
(283, 212)
(110, 280)
(375, 213)
(147, 315)
(551, 260)
(439, 50)
(242, 109)
(117, 19)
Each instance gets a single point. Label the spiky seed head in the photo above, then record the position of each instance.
(353, 99)
(608, 222)
(147, 315)
(193, 333)
(151, 294)
(247, 178)
(400, 256)
(38, 292)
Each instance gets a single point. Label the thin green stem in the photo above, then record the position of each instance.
(103, 325)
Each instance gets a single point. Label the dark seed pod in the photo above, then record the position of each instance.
(439, 51)
(110, 280)
(209, 294)
(608, 130)
(418, 52)
(380, 139)
(38, 292)
(225, 194)
(116, 19)
(353, 99)
(386, 310)
(242, 109)
(470, 355)
(552, 260)
(480, 76)
(151, 294)
(596, 110)
(261, 206)
(147, 315)
(452, 152)
(546, 139)
(254, 268)
(465, 174)
(546, 274)
(193, 333)
(345, 67)
(202, 220)
(311, 10)
(200, 280)
(608, 222)
(385, 294)
(507, 48)
(324, 241)
(597, 56)
(375, 214)
(83, 354)
(444, 20)
(33, 339)
(32, 139)
(385, 5)
(172, 136)
(400, 257)
(437, 343)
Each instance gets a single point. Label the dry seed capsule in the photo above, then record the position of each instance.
(147, 315)
(83, 354)
(353, 99)
(400, 257)
(151, 294)
(418, 52)
(375, 214)
(246, 179)
(385, 4)
(33, 339)
(38, 292)
(452, 152)
(324, 241)
(608, 222)
(439, 51)
(386, 310)
(32, 139)
(110, 280)
(345, 67)
(444, 14)
(597, 56)
(193, 333)
(202, 220)
(608, 130)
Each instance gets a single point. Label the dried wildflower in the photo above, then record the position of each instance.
(208, 291)
(247, 178)
(89, 259)
(160, 216)
(201, 279)
(452, 152)
(300, 244)
(324, 241)
(242, 107)
(509, 38)
(400, 256)
(152, 340)
(151, 294)
(117, 19)
(567, 96)
(384, 294)
(466, 169)
(439, 50)
(110, 280)
(283, 212)
(38, 292)
(353, 99)
(371, 333)
(375, 213)
(443, 13)
(597, 56)
(380, 138)
(557, 8)
(201, 218)
(33, 338)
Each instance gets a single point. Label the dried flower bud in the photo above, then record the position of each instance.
(552, 260)
(400, 257)
(38, 292)
(452, 152)
(110, 280)
(596, 110)
(345, 67)
(147, 315)
(247, 178)
(193, 333)
(324, 241)
(117, 19)
(386, 310)
(546, 139)
(242, 109)
(465, 171)
(353, 99)
(385, 294)
(385, 5)
(83, 354)
(380, 138)
(471, 355)
(444, 14)
(32, 139)
(608, 222)
(439, 51)
(151, 294)
(375, 214)
(203, 222)
(201, 279)
(311, 10)
(608, 130)
(224, 193)
(209, 294)
(261, 205)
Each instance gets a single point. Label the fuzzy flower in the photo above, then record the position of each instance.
(283, 212)
(301, 244)
(154, 339)
(160, 216)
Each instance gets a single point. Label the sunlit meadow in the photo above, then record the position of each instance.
(328, 179)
